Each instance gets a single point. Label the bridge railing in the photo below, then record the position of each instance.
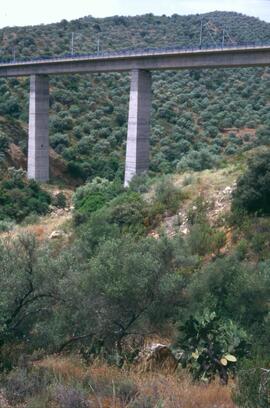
(129, 52)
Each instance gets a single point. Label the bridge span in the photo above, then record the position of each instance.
(140, 63)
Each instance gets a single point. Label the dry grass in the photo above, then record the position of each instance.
(177, 392)
(208, 182)
(64, 368)
(163, 390)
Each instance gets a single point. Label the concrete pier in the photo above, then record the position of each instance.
(38, 136)
(137, 150)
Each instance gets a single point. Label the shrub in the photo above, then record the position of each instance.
(93, 196)
(252, 193)
(59, 139)
(253, 385)
(126, 391)
(203, 239)
(167, 194)
(6, 225)
(4, 142)
(30, 219)
(145, 402)
(242, 249)
(40, 401)
(128, 211)
(198, 160)
(20, 197)
(197, 213)
(212, 346)
(23, 383)
(59, 200)
(69, 397)
(140, 183)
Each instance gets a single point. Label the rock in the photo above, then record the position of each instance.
(154, 234)
(228, 190)
(60, 211)
(57, 234)
(156, 357)
(185, 231)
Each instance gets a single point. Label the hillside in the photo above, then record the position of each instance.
(155, 295)
(165, 264)
(200, 118)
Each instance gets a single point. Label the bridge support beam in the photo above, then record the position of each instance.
(137, 150)
(38, 136)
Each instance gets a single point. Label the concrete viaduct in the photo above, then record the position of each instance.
(140, 63)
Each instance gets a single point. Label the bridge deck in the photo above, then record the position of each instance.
(151, 59)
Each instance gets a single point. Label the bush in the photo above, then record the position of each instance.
(203, 239)
(252, 193)
(198, 160)
(93, 196)
(59, 200)
(145, 402)
(168, 195)
(23, 383)
(6, 225)
(31, 219)
(69, 397)
(140, 183)
(4, 142)
(20, 197)
(128, 212)
(200, 239)
(126, 391)
(253, 385)
(212, 346)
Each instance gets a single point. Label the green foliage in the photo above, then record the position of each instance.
(198, 160)
(6, 225)
(24, 383)
(93, 196)
(29, 277)
(20, 197)
(253, 188)
(52, 300)
(212, 346)
(225, 284)
(70, 397)
(140, 183)
(203, 239)
(194, 112)
(4, 142)
(128, 211)
(253, 385)
(106, 206)
(168, 195)
(200, 239)
(59, 200)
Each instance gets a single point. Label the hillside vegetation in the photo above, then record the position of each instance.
(177, 261)
(200, 117)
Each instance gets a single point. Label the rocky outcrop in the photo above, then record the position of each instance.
(156, 357)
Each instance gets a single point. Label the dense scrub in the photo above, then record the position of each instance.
(112, 282)
(253, 190)
(198, 119)
(20, 197)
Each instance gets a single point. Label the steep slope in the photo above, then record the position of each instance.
(199, 117)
